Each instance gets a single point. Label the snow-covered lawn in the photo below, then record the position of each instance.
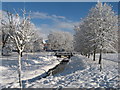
(78, 73)
(110, 56)
(82, 72)
(33, 66)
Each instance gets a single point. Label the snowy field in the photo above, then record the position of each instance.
(80, 72)
(112, 57)
(33, 65)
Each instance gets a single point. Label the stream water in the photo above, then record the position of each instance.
(58, 68)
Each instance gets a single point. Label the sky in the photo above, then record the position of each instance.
(53, 16)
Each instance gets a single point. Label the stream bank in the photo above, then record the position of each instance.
(55, 70)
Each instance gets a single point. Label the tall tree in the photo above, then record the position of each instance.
(4, 31)
(19, 30)
(105, 24)
(59, 40)
(98, 31)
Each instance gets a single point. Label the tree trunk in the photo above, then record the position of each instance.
(19, 69)
(21, 54)
(94, 54)
(100, 57)
(100, 67)
(89, 55)
(2, 53)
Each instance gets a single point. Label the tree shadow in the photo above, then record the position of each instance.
(9, 63)
(44, 75)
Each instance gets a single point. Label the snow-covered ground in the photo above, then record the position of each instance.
(33, 65)
(110, 56)
(81, 72)
(78, 73)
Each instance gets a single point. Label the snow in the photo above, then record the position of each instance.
(35, 65)
(110, 56)
(79, 72)
(87, 76)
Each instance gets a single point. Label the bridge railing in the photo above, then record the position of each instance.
(67, 54)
